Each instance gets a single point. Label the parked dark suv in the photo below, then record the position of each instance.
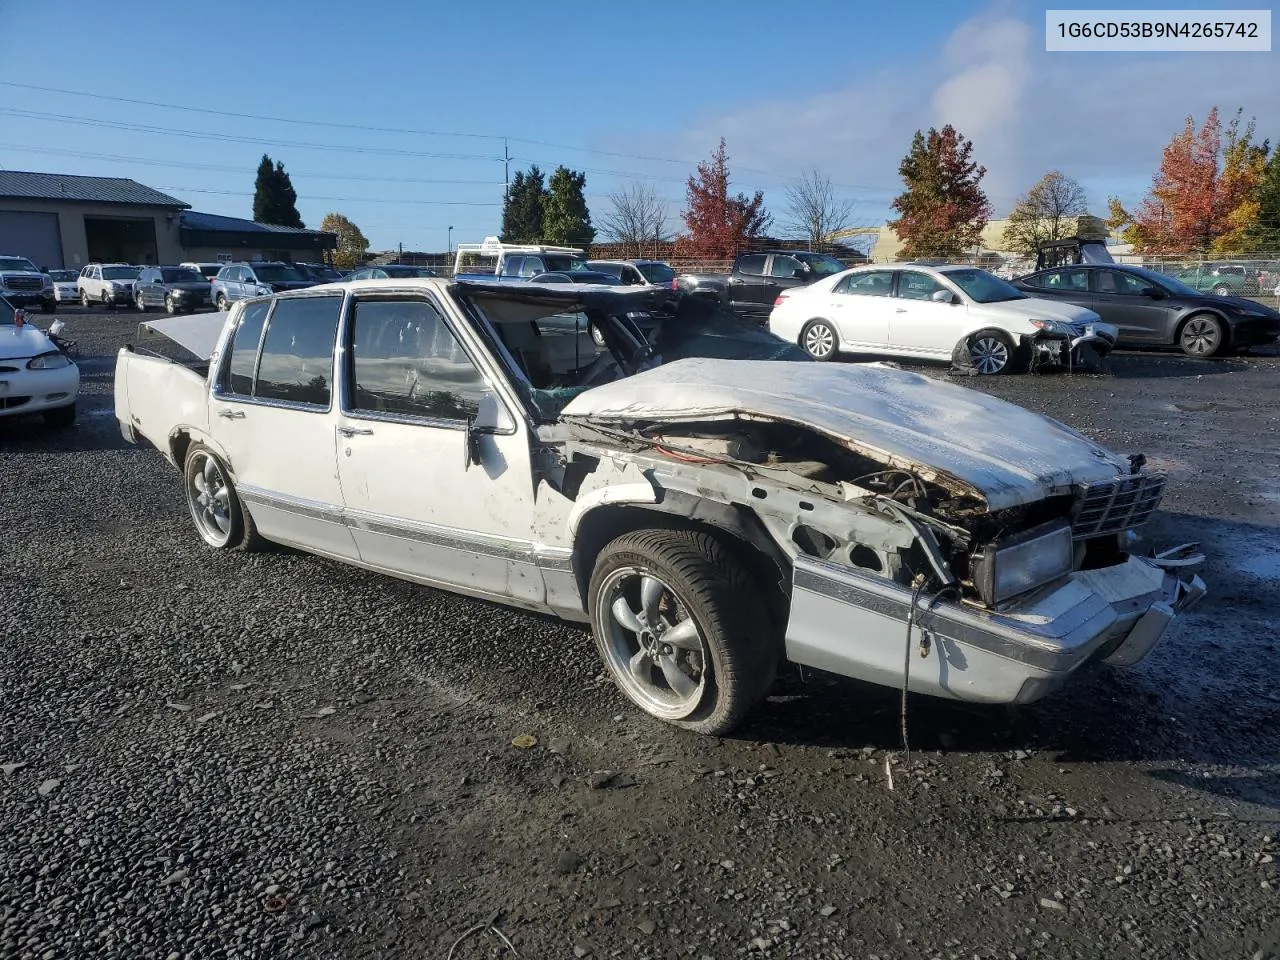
(1151, 309)
(177, 289)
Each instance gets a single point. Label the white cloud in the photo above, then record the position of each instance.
(1101, 118)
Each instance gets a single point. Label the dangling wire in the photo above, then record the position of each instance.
(918, 588)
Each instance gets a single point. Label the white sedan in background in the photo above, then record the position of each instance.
(958, 313)
(64, 286)
(35, 376)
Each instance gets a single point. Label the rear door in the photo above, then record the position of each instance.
(861, 308)
(747, 281)
(1119, 299)
(917, 324)
(274, 410)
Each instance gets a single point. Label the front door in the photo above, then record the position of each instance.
(747, 281)
(920, 325)
(273, 413)
(1120, 299)
(785, 273)
(415, 506)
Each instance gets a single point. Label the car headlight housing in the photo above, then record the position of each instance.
(49, 361)
(1054, 326)
(1010, 567)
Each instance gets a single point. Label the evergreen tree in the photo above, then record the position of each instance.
(1263, 235)
(522, 212)
(565, 218)
(274, 199)
(943, 210)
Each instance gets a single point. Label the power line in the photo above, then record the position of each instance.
(399, 200)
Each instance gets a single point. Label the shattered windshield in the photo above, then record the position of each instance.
(555, 358)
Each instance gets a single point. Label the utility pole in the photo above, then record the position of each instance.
(506, 170)
(400, 255)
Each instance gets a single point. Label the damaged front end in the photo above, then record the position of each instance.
(1056, 344)
(1003, 577)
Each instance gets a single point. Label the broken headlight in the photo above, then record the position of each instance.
(1009, 567)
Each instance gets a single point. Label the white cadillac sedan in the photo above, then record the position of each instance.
(35, 376)
(958, 313)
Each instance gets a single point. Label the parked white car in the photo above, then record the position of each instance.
(709, 517)
(65, 288)
(35, 376)
(957, 313)
(107, 283)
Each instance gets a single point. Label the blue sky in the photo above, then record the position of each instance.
(632, 92)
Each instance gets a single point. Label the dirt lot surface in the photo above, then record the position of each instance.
(219, 755)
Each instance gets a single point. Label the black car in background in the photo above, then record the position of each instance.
(1152, 309)
(319, 272)
(392, 271)
(177, 289)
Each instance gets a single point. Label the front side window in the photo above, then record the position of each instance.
(404, 360)
(297, 351)
(784, 267)
(752, 264)
(821, 264)
(871, 283)
(913, 285)
(1125, 284)
(244, 349)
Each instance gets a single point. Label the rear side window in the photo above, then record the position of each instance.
(297, 352)
(752, 264)
(244, 349)
(405, 361)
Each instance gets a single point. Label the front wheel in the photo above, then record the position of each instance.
(1222, 290)
(819, 340)
(680, 625)
(222, 302)
(84, 299)
(170, 305)
(991, 352)
(216, 510)
(1202, 336)
(140, 303)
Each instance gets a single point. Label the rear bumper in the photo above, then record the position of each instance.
(854, 624)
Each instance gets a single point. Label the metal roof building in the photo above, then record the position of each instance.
(61, 220)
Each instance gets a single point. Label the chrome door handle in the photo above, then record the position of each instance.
(231, 414)
(353, 432)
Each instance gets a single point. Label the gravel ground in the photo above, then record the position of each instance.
(211, 755)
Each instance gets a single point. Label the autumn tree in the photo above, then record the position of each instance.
(1045, 212)
(813, 209)
(274, 199)
(522, 209)
(719, 224)
(943, 209)
(1264, 233)
(352, 244)
(565, 217)
(1200, 196)
(638, 217)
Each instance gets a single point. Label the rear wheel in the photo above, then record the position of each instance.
(222, 302)
(140, 303)
(216, 510)
(1202, 336)
(819, 340)
(682, 628)
(1222, 290)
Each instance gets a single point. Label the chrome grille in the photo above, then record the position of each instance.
(1116, 505)
(23, 283)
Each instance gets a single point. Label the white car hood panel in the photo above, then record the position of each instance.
(1034, 308)
(18, 343)
(1004, 454)
(197, 333)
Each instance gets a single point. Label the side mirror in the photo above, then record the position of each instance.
(1155, 293)
(942, 296)
(491, 418)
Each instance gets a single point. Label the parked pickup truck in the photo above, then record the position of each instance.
(513, 261)
(757, 279)
(711, 505)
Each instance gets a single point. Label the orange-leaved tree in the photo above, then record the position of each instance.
(720, 224)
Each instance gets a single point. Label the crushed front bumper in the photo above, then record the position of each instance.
(854, 623)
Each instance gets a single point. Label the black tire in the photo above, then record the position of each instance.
(711, 582)
(242, 535)
(981, 347)
(84, 299)
(596, 336)
(1202, 335)
(823, 334)
(170, 306)
(61, 417)
(140, 303)
(107, 302)
(221, 302)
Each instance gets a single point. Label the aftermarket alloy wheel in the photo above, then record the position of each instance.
(216, 510)
(1201, 336)
(991, 352)
(681, 628)
(819, 340)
